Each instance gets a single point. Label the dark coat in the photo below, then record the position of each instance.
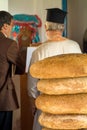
(9, 55)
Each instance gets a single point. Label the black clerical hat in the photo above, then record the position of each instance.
(55, 15)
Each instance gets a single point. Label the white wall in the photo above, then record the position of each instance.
(4, 5)
(34, 7)
(77, 16)
(77, 20)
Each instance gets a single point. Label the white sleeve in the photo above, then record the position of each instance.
(32, 86)
(31, 82)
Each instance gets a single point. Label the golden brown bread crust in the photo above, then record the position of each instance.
(63, 121)
(59, 129)
(63, 86)
(62, 104)
(61, 66)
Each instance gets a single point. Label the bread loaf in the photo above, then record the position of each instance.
(62, 104)
(60, 66)
(63, 86)
(60, 129)
(63, 121)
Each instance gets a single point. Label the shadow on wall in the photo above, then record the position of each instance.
(85, 42)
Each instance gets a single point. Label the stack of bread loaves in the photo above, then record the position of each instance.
(63, 87)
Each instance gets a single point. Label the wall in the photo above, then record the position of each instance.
(34, 7)
(77, 20)
(4, 5)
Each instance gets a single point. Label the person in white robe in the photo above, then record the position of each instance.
(56, 44)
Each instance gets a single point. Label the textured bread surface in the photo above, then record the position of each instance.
(60, 66)
(62, 104)
(60, 129)
(63, 121)
(62, 86)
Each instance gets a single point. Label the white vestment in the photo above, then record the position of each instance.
(45, 50)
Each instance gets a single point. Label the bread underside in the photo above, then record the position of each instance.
(63, 121)
(63, 129)
(63, 86)
(62, 104)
